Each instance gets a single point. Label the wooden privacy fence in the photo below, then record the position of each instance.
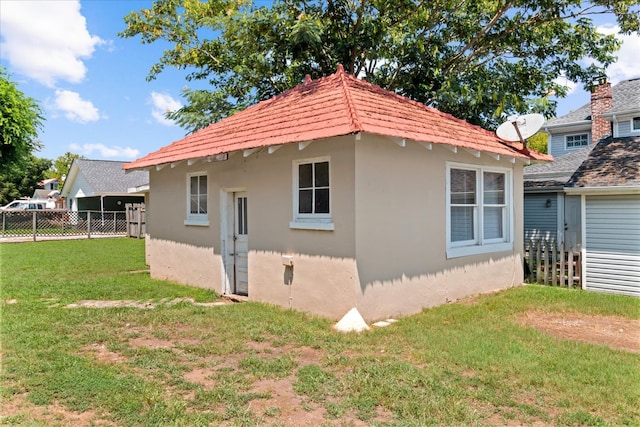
(136, 220)
(548, 262)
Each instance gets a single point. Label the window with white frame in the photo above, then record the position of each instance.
(197, 199)
(635, 124)
(479, 210)
(577, 141)
(312, 194)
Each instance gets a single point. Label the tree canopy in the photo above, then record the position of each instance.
(20, 179)
(61, 165)
(479, 60)
(20, 120)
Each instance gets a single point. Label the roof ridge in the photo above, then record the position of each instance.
(352, 111)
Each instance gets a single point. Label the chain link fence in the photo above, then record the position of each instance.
(50, 223)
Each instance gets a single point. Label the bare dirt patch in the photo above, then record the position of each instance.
(21, 410)
(142, 304)
(615, 332)
(101, 353)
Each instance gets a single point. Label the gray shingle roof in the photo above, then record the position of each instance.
(556, 173)
(107, 176)
(613, 162)
(626, 97)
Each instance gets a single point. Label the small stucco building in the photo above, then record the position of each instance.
(337, 195)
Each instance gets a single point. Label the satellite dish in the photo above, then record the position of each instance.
(519, 128)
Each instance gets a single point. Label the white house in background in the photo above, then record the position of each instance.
(101, 185)
(337, 195)
(550, 211)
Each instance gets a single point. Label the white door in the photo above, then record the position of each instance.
(240, 244)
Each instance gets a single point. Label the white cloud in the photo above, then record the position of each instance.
(626, 66)
(571, 86)
(75, 108)
(46, 40)
(162, 103)
(112, 152)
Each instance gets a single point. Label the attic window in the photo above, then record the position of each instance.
(635, 124)
(577, 141)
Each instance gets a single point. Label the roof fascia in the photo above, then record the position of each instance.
(626, 189)
(582, 123)
(553, 189)
(616, 114)
(71, 177)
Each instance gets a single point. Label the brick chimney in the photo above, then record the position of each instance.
(601, 102)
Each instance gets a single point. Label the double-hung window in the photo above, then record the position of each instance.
(197, 199)
(635, 124)
(312, 194)
(479, 210)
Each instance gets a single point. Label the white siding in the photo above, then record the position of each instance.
(612, 239)
(540, 221)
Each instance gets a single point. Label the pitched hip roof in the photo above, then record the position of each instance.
(336, 105)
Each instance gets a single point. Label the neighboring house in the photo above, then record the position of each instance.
(550, 211)
(608, 187)
(338, 195)
(101, 185)
(50, 193)
(611, 112)
(49, 184)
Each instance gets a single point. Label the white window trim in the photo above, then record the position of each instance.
(322, 222)
(631, 129)
(199, 220)
(479, 245)
(566, 147)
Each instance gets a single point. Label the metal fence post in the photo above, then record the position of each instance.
(34, 225)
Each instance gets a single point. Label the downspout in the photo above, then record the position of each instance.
(614, 126)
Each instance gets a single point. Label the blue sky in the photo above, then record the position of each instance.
(91, 84)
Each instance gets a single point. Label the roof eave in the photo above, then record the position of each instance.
(552, 126)
(619, 189)
(612, 114)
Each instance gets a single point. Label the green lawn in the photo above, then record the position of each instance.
(187, 364)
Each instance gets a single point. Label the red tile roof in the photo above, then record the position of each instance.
(339, 104)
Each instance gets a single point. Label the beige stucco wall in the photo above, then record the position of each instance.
(401, 231)
(386, 255)
(324, 277)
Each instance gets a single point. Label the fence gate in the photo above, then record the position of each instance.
(136, 220)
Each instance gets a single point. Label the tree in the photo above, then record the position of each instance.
(20, 179)
(20, 120)
(60, 166)
(538, 142)
(479, 60)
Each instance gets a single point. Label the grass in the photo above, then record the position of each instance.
(468, 363)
